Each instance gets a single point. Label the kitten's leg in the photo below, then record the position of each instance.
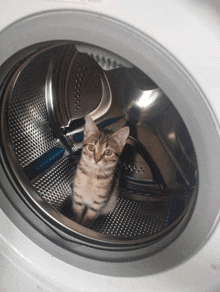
(111, 204)
(78, 209)
(90, 216)
(112, 201)
(77, 205)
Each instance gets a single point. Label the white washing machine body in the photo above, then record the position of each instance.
(177, 44)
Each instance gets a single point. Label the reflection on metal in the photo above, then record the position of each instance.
(148, 105)
(147, 99)
(49, 98)
(143, 101)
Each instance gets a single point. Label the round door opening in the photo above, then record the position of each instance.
(45, 100)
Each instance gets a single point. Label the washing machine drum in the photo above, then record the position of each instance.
(46, 96)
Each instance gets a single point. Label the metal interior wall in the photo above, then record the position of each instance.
(25, 119)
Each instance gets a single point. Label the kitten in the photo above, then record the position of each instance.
(95, 185)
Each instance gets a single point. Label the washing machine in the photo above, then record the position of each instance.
(151, 65)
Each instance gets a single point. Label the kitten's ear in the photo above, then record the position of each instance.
(121, 136)
(90, 127)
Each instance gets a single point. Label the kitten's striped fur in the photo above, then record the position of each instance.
(95, 185)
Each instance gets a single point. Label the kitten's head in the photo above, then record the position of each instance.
(103, 147)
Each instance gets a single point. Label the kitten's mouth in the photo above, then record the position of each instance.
(96, 162)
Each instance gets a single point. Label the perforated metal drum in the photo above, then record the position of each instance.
(45, 101)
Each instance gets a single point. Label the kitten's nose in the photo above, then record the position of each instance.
(97, 157)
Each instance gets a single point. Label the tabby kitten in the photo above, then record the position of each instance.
(95, 185)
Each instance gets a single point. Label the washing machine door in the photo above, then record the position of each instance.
(150, 66)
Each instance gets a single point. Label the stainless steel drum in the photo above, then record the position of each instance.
(45, 101)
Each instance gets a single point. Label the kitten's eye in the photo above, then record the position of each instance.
(91, 147)
(108, 152)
